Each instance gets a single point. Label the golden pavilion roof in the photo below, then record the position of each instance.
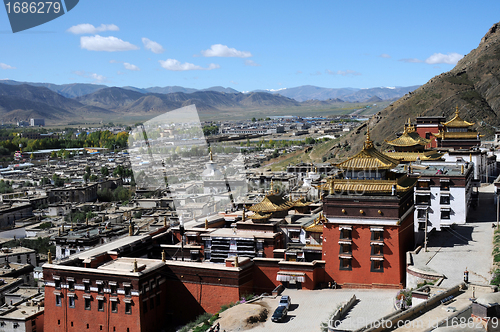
(275, 203)
(402, 184)
(368, 158)
(317, 225)
(457, 135)
(409, 138)
(412, 156)
(258, 216)
(457, 122)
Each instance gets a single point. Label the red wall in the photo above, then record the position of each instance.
(264, 276)
(422, 130)
(360, 275)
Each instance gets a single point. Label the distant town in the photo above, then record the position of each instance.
(181, 225)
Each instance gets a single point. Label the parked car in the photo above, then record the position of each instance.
(285, 301)
(279, 314)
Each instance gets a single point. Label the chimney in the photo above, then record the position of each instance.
(135, 266)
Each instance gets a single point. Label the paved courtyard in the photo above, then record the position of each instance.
(451, 251)
(310, 308)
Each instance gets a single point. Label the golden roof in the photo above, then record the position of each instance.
(457, 122)
(257, 216)
(368, 158)
(317, 225)
(457, 135)
(412, 156)
(275, 203)
(409, 138)
(402, 184)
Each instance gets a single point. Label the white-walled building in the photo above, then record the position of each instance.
(443, 196)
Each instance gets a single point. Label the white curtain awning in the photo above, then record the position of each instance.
(345, 227)
(376, 229)
(345, 256)
(345, 242)
(444, 180)
(373, 258)
(423, 194)
(291, 276)
(424, 180)
(445, 209)
(373, 243)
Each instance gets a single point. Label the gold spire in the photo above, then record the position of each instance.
(211, 156)
(236, 263)
(163, 256)
(244, 217)
(135, 266)
(272, 187)
(456, 110)
(165, 221)
(206, 223)
(332, 188)
(49, 257)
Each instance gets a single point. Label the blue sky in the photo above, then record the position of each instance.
(247, 45)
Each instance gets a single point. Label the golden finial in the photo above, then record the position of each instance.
(163, 256)
(211, 156)
(243, 217)
(135, 266)
(332, 188)
(49, 257)
(206, 223)
(272, 187)
(236, 263)
(470, 157)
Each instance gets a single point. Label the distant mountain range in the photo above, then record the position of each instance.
(300, 93)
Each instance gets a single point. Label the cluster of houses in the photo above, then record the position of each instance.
(176, 250)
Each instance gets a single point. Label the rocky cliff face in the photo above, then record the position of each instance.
(473, 85)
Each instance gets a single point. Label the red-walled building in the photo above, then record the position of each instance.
(428, 125)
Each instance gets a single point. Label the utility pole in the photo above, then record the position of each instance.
(426, 219)
(498, 210)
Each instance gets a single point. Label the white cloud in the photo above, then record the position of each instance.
(152, 46)
(450, 58)
(251, 63)
(96, 77)
(343, 72)
(5, 66)
(411, 60)
(384, 55)
(130, 66)
(90, 29)
(233, 82)
(107, 44)
(316, 73)
(176, 65)
(220, 50)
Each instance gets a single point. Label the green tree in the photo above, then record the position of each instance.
(104, 171)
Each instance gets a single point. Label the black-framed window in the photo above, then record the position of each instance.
(421, 226)
(100, 305)
(114, 306)
(151, 303)
(57, 283)
(100, 288)
(345, 248)
(377, 235)
(377, 266)
(345, 264)
(128, 290)
(71, 284)
(445, 199)
(420, 213)
(423, 199)
(445, 185)
(58, 300)
(86, 285)
(144, 307)
(71, 301)
(128, 308)
(377, 249)
(113, 289)
(346, 234)
(423, 185)
(87, 304)
(445, 214)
